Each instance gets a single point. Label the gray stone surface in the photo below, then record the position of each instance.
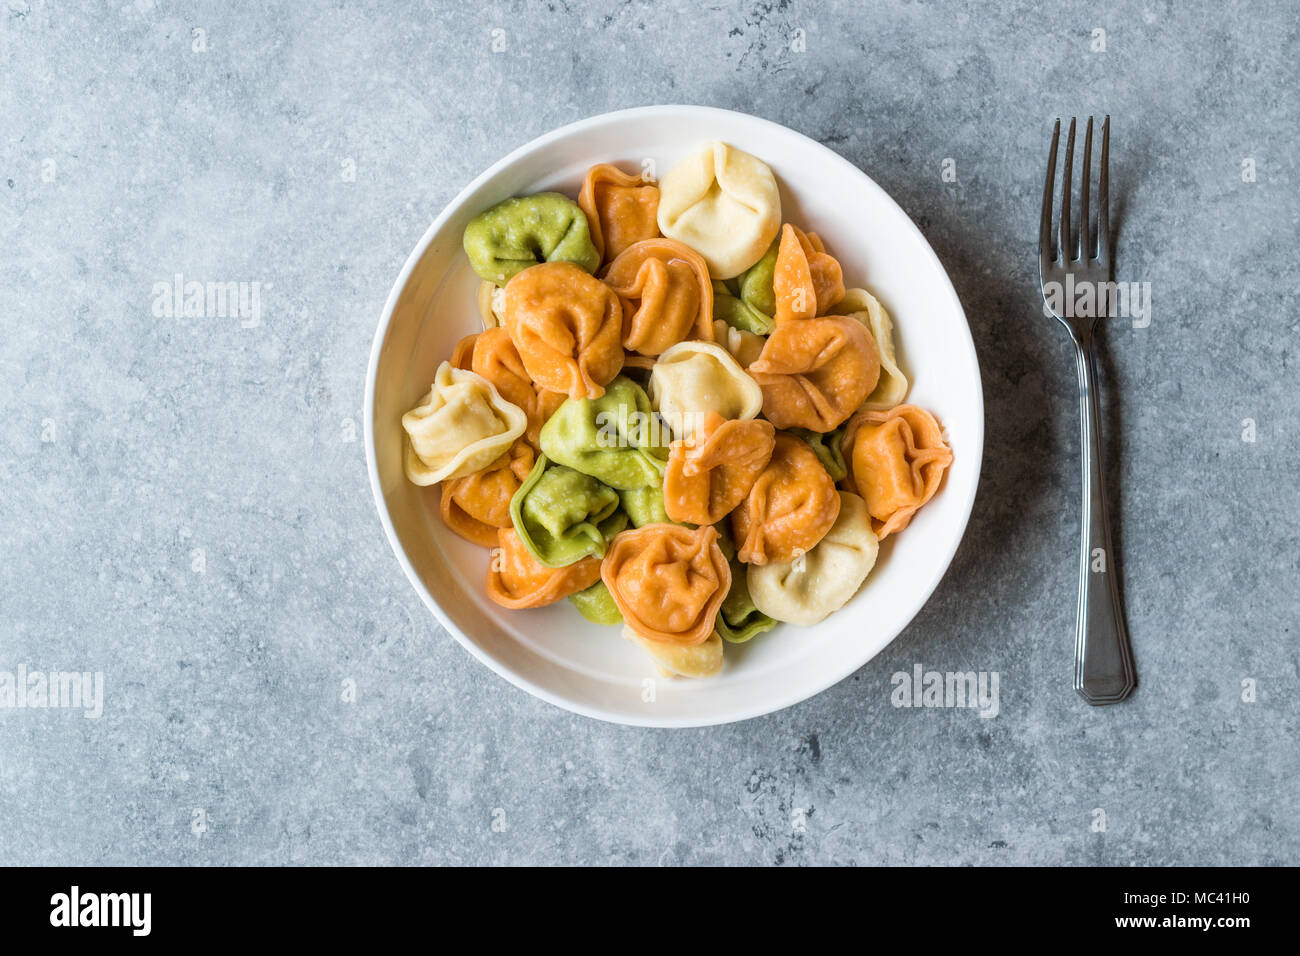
(129, 442)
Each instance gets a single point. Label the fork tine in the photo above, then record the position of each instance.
(1045, 251)
(1067, 250)
(1085, 184)
(1103, 199)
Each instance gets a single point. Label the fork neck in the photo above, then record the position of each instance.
(1082, 335)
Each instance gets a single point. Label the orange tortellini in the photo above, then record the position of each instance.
(621, 209)
(666, 293)
(711, 473)
(668, 581)
(790, 507)
(568, 328)
(815, 373)
(807, 280)
(896, 460)
(815, 369)
(495, 357)
(516, 579)
(462, 356)
(477, 505)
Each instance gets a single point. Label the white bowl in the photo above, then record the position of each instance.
(553, 652)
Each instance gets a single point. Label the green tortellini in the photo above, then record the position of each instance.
(826, 446)
(754, 287)
(563, 516)
(645, 506)
(738, 619)
(597, 605)
(526, 230)
(616, 439)
(737, 313)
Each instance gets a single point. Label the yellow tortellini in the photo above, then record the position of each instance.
(891, 389)
(745, 347)
(680, 660)
(462, 427)
(808, 588)
(692, 379)
(491, 301)
(724, 204)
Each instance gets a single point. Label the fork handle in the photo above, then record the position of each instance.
(1103, 660)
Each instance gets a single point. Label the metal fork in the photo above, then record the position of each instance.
(1103, 661)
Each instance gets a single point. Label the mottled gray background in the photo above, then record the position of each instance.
(223, 687)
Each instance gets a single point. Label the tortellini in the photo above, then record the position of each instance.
(754, 287)
(462, 354)
(568, 328)
(491, 300)
(814, 373)
(621, 209)
(708, 476)
(515, 579)
(723, 203)
(745, 347)
(462, 427)
(739, 619)
(736, 313)
(666, 293)
(807, 589)
(616, 438)
(596, 605)
(495, 358)
(681, 660)
(563, 516)
(668, 581)
(827, 448)
(476, 506)
(645, 506)
(692, 379)
(806, 280)
(518, 233)
(892, 387)
(897, 460)
(790, 507)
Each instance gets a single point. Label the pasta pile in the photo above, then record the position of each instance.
(676, 415)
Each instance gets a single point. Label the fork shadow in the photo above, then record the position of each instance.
(1112, 437)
